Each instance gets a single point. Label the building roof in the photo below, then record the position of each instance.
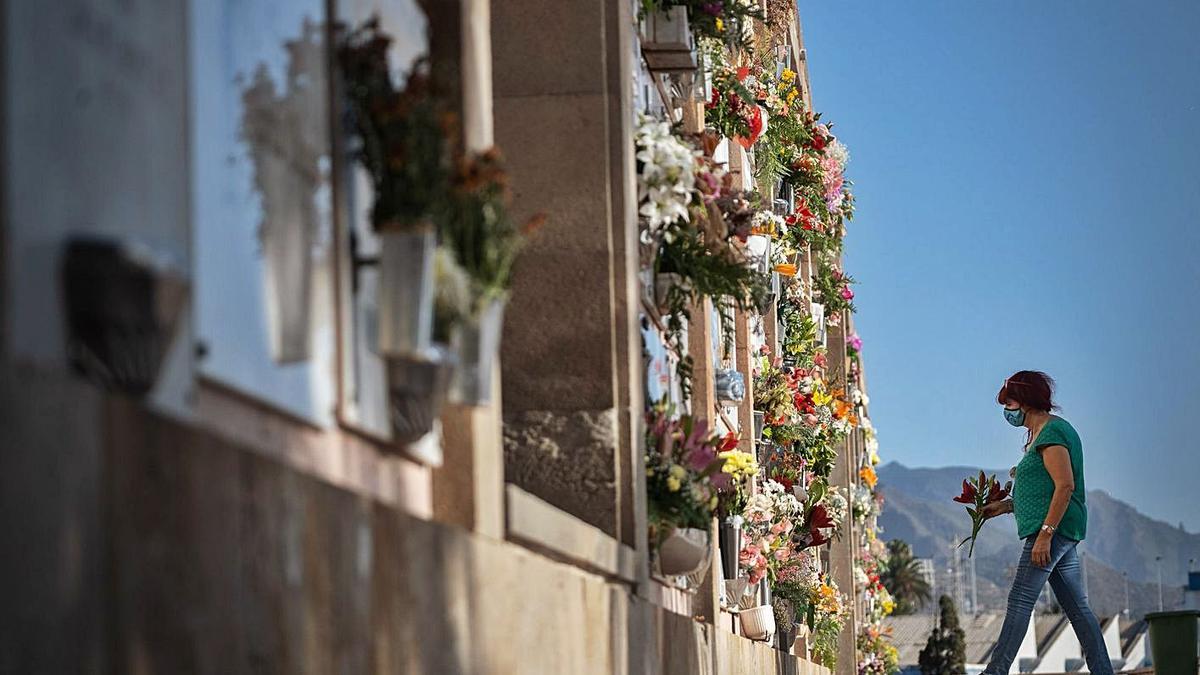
(1130, 632)
(910, 633)
(1046, 628)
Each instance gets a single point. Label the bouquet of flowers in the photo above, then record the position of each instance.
(683, 471)
(741, 467)
(767, 525)
(976, 494)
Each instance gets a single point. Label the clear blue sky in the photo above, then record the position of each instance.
(1028, 183)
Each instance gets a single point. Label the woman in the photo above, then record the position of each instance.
(1048, 501)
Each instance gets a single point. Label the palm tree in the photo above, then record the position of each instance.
(903, 578)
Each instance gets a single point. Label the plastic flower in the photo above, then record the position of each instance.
(855, 342)
(978, 493)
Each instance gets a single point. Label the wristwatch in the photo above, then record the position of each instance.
(1047, 527)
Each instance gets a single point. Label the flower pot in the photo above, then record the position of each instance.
(729, 385)
(667, 44)
(476, 343)
(406, 291)
(733, 592)
(663, 282)
(758, 623)
(684, 551)
(758, 252)
(417, 389)
(729, 540)
(760, 424)
(749, 599)
(123, 304)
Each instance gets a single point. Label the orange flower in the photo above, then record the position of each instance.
(867, 474)
(786, 269)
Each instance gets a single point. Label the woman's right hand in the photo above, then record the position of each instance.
(996, 509)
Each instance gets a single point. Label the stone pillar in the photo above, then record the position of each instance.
(843, 551)
(745, 365)
(468, 489)
(561, 83)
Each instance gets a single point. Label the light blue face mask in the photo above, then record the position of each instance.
(1015, 417)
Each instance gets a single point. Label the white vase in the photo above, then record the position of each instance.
(666, 39)
(476, 343)
(406, 290)
(684, 551)
(758, 623)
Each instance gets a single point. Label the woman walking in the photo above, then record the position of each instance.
(1050, 506)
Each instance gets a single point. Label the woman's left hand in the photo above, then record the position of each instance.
(1041, 550)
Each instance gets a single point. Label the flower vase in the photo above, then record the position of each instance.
(683, 552)
(729, 385)
(417, 389)
(406, 290)
(663, 283)
(758, 623)
(758, 252)
(476, 343)
(729, 540)
(666, 39)
(734, 592)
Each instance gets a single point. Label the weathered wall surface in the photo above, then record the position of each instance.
(141, 545)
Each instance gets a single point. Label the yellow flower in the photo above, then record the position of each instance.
(740, 465)
(821, 398)
(673, 484)
(678, 472)
(788, 75)
(720, 25)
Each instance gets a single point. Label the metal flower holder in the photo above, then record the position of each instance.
(477, 346)
(123, 305)
(406, 291)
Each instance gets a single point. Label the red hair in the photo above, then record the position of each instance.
(1030, 389)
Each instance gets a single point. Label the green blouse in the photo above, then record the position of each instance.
(1033, 487)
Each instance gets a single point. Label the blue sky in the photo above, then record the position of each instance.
(1028, 184)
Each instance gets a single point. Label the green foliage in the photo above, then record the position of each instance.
(474, 223)
(945, 652)
(719, 276)
(901, 576)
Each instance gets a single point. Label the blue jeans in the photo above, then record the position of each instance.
(1065, 577)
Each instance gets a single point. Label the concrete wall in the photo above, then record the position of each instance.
(149, 546)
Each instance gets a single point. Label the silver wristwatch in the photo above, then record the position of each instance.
(1047, 527)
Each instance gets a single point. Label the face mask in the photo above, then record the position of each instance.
(1015, 417)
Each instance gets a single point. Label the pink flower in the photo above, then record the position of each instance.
(854, 341)
(847, 294)
(819, 359)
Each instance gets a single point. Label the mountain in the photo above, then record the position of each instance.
(919, 509)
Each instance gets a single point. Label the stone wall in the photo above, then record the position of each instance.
(148, 546)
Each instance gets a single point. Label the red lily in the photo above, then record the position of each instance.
(968, 493)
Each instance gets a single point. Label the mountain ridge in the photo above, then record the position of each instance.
(1121, 540)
